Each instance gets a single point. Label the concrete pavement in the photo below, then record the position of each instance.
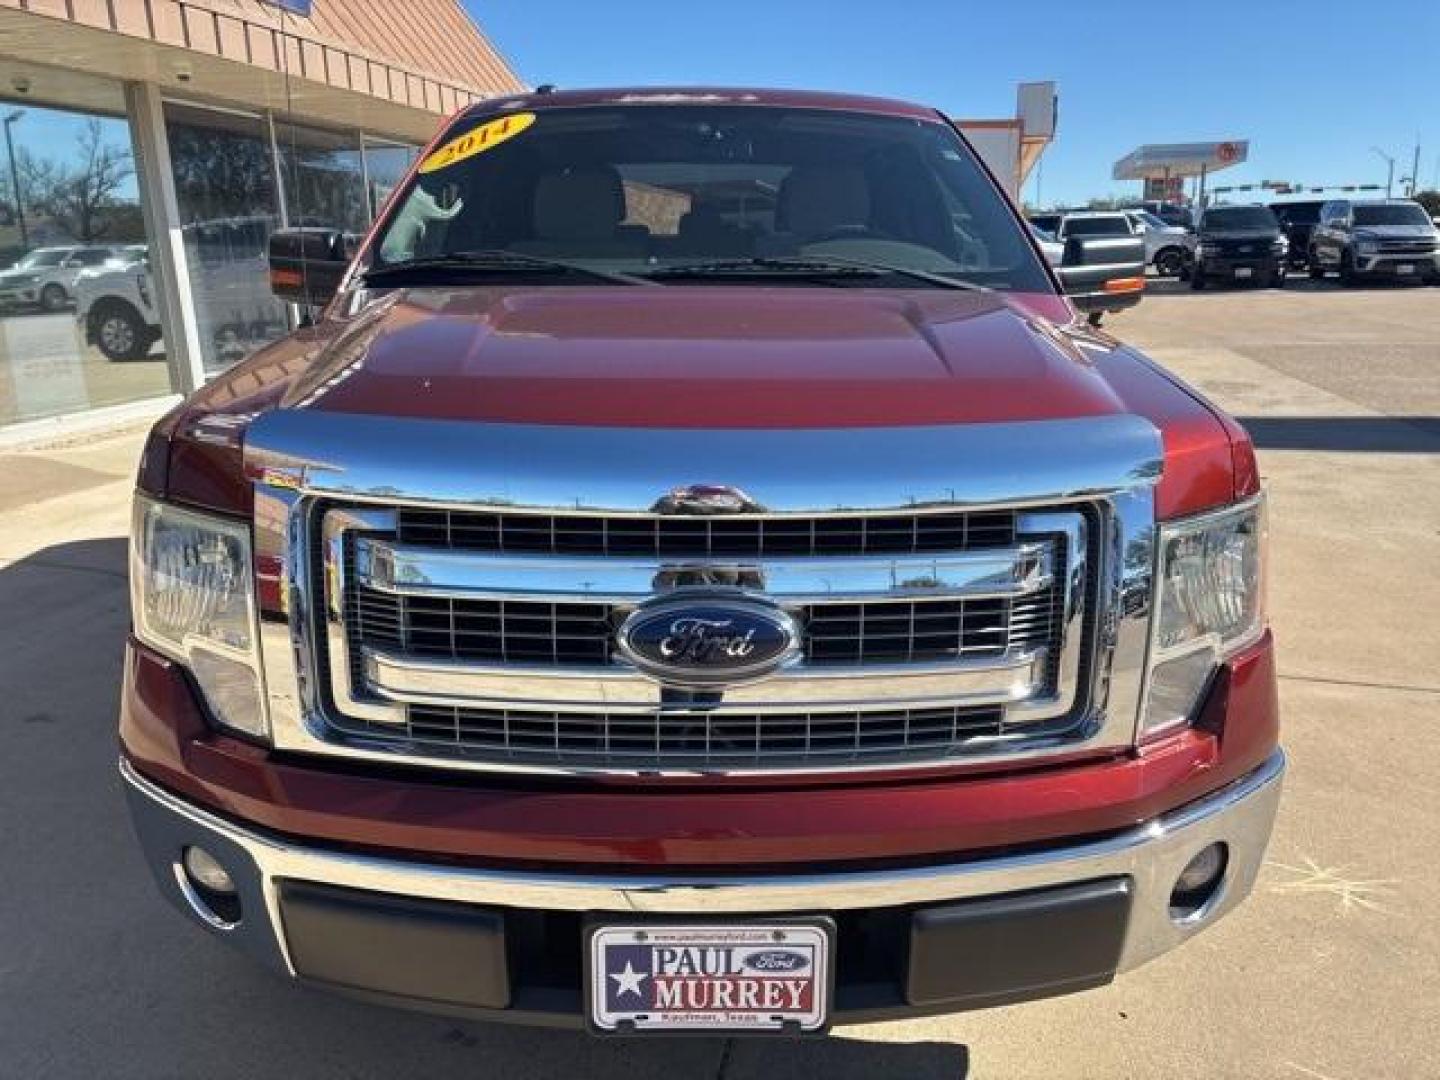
(1332, 970)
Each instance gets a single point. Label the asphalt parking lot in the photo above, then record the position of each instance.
(1331, 971)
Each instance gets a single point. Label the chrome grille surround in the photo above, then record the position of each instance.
(1082, 500)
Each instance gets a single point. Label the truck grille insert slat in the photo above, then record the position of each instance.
(579, 534)
(888, 631)
(695, 741)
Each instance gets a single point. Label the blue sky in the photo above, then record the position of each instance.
(1312, 85)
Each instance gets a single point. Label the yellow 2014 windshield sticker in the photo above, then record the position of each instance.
(477, 140)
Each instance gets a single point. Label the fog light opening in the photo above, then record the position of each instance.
(1199, 884)
(208, 888)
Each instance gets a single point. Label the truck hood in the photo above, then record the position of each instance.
(681, 356)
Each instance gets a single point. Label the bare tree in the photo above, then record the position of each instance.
(80, 197)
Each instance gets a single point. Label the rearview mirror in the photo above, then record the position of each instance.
(1103, 273)
(306, 264)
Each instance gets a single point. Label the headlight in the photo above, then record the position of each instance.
(192, 595)
(1211, 577)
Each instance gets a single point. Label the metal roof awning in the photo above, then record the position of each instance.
(248, 56)
(1162, 160)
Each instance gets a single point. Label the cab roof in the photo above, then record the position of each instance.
(702, 95)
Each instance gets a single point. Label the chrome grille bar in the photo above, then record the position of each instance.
(418, 571)
(617, 688)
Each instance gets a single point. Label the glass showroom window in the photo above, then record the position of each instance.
(386, 164)
(78, 323)
(229, 205)
(324, 177)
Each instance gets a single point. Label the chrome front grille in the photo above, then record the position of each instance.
(1042, 529)
(447, 645)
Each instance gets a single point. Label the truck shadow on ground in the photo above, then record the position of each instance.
(100, 977)
(1346, 434)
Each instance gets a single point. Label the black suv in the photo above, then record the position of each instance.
(1375, 238)
(1298, 218)
(1240, 244)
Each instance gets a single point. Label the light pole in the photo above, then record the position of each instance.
(16, 114)
(1390, 176)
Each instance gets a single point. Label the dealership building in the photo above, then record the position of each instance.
(183, 132)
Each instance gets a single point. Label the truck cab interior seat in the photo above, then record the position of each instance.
(578, 212)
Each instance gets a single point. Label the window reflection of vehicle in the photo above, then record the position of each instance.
(115, 308)
(229, 282)
(46, 277)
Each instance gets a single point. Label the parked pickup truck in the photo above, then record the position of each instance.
(697, 570)
(1366, 239)
(1238, 244)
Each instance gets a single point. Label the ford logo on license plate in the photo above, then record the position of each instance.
(708, 642)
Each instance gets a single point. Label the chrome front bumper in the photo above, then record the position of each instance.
(1149, 857)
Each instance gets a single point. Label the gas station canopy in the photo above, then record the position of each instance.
(1165, 161)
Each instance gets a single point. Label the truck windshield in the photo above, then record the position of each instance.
(1391, 214)
(1097, 226)
(1240, 217)
(657, 189)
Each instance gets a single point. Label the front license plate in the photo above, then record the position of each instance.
(1243, 271)
(721, 978)
(1405, 268)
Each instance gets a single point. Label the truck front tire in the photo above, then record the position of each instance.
(1169, 262)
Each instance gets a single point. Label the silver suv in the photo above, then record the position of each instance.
(1375, 238)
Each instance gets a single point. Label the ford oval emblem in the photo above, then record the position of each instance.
(707, 642)
(775, 960)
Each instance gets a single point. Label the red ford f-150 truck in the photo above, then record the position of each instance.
(697, 570)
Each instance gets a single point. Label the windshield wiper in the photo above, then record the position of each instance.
(492, 261)
(828, 266)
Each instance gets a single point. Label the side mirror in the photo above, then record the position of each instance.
(1103, 273)
(306, 264)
